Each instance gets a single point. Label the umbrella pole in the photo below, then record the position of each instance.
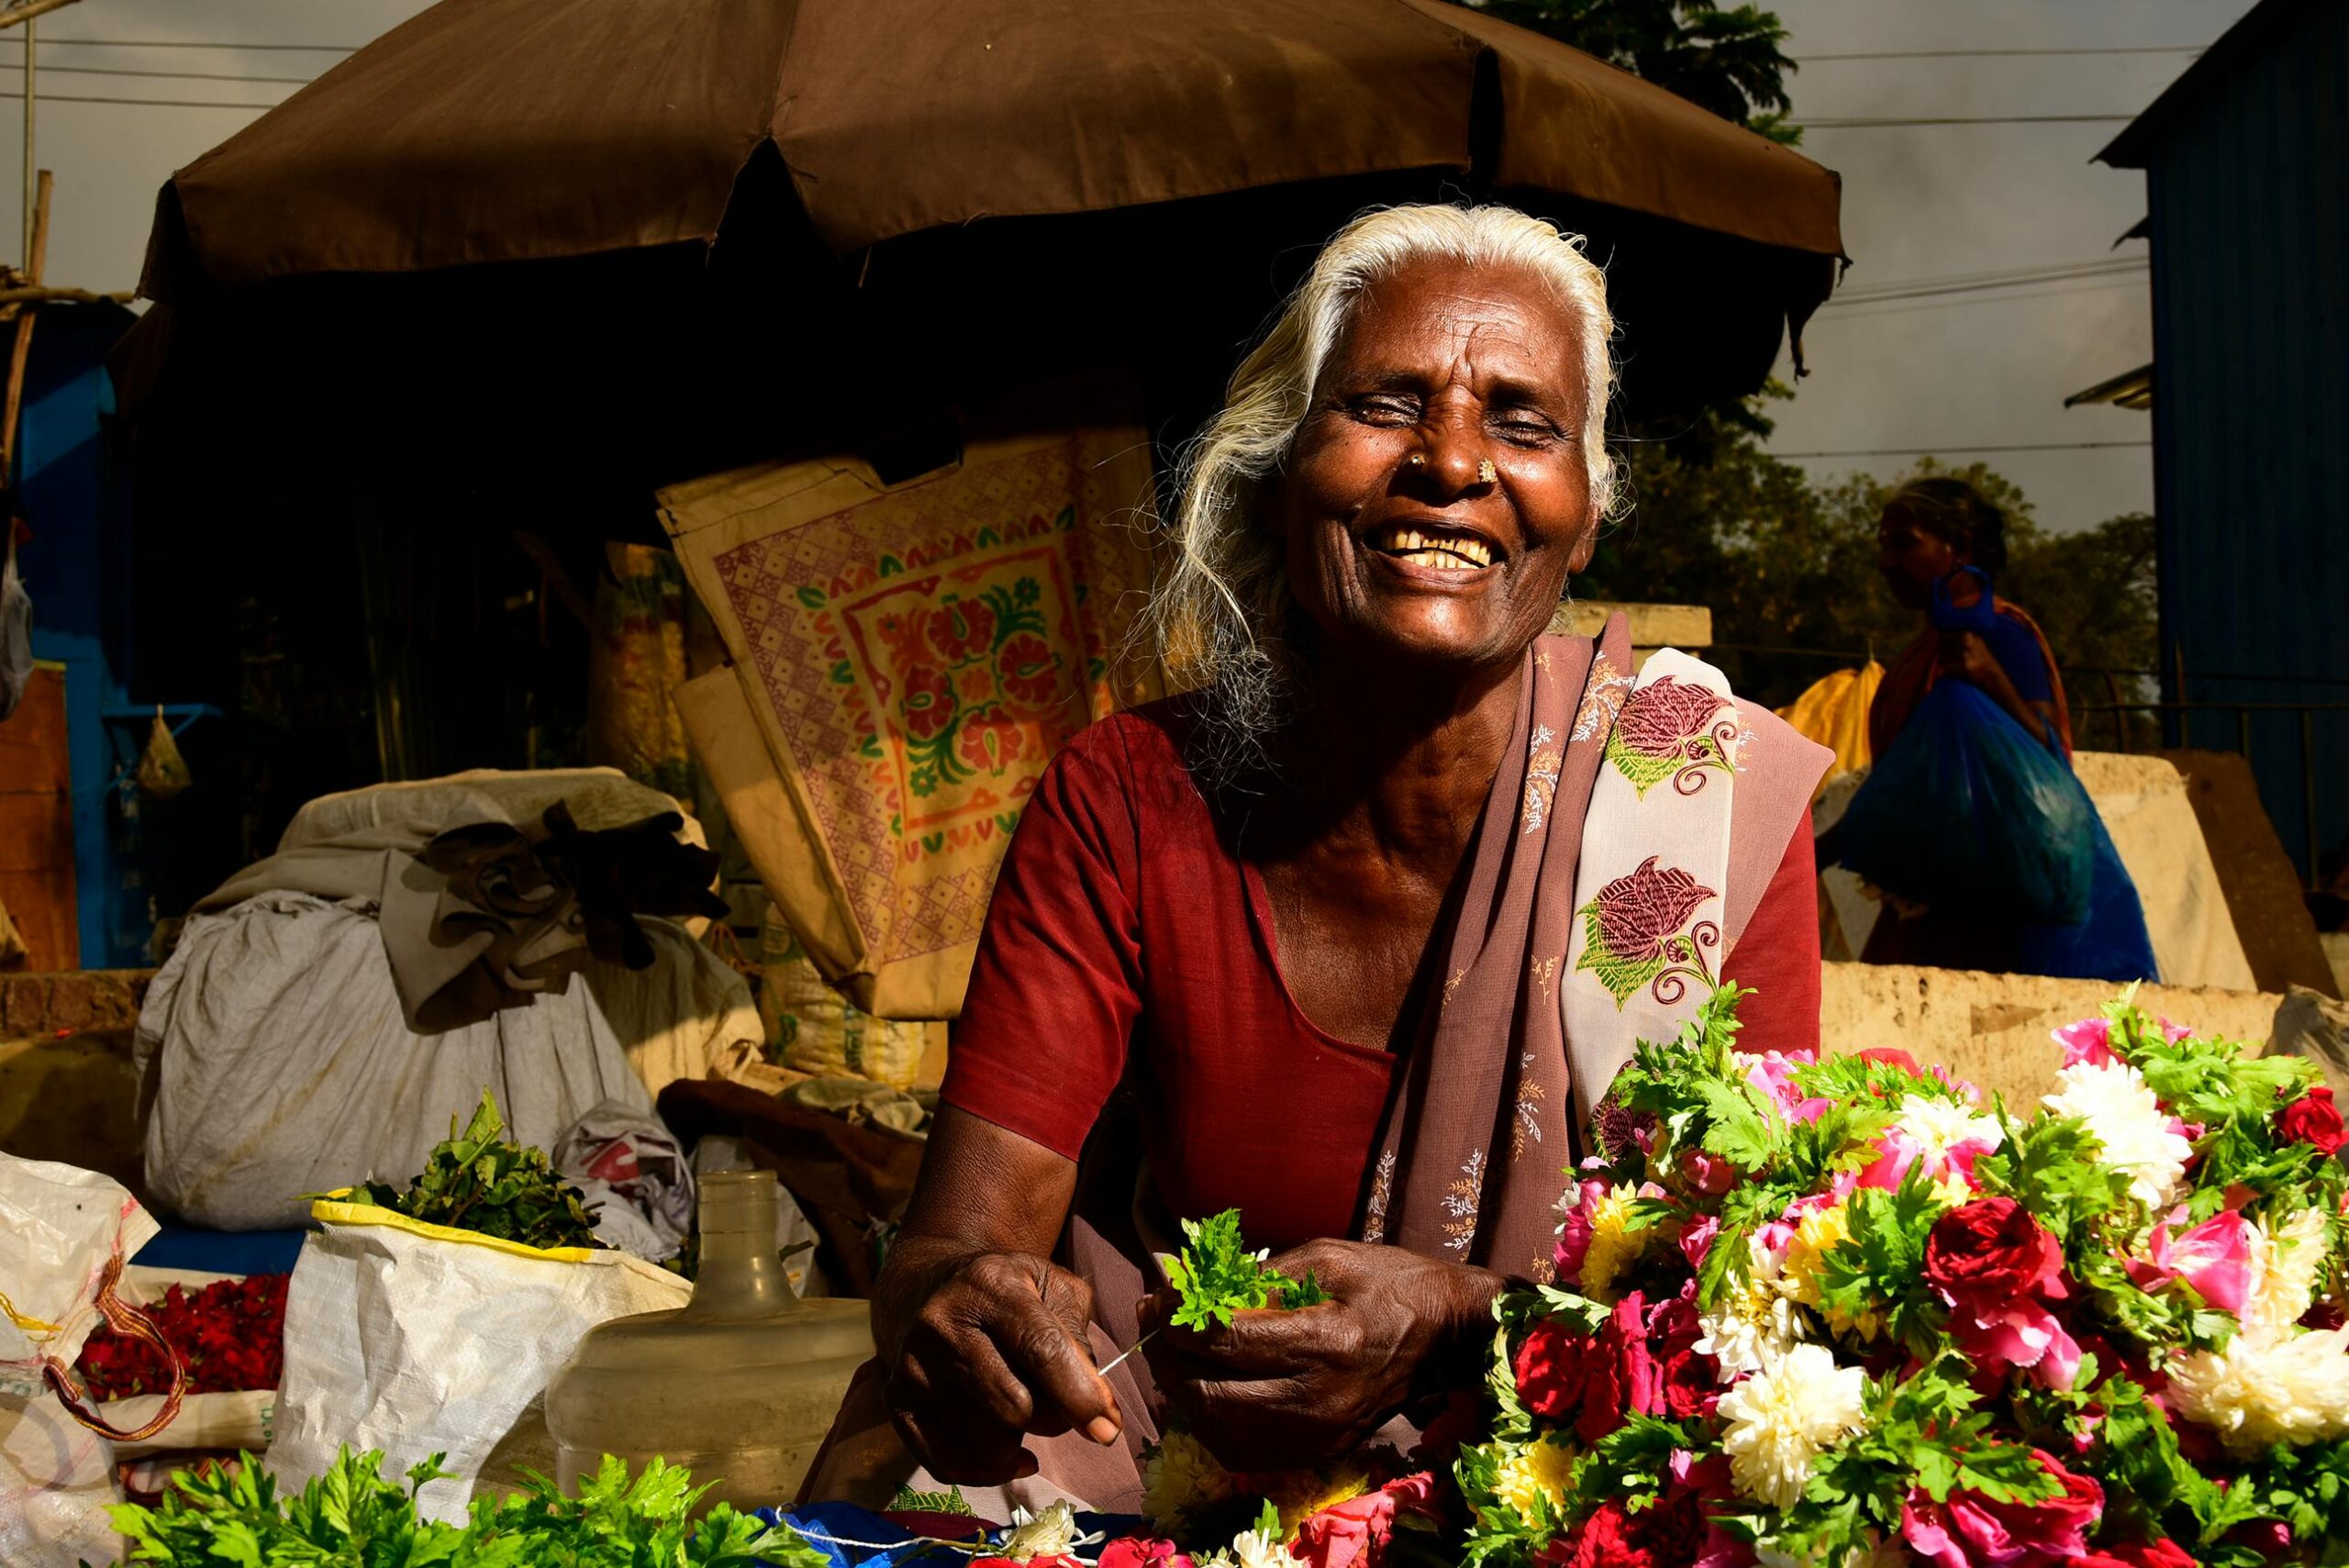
(35, 254)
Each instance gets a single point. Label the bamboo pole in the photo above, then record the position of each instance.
(26, 10)
(36, 255)
(32, 50)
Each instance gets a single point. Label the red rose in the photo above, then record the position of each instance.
(1608, 1540)
(1663, 715)
(1637, 911)
(1142, 1551)
(1991, 1250)
(2311, 1118)
(1621, 1374)
(1685, 1383)
(1971, 1530)
(1553, 1366)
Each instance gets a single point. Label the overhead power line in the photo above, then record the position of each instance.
(48, 43)
(1976, 283)
(1949, 447)
(2009, 296)
(47, 69)
(1875, 124)
(2001, 53)
(141, 103)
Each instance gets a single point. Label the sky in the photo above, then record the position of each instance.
(1890, 378)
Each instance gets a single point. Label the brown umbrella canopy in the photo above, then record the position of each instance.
(500, 130)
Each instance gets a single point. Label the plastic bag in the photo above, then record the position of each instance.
(65, 1234)
(2110, 942)
(162, 772)
(418, 1339)
(1966, 811)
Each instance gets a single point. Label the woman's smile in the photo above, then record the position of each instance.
(1423, 550)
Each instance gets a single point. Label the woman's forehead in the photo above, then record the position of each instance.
(1444, 306)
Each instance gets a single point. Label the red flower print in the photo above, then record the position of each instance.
(960, 629)
(1030, 670)
(928, 702)
(1663, 715)
(1637, 912)
(991, 740)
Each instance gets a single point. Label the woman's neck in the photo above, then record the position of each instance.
(1405, 761)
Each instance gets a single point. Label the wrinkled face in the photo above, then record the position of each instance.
(1438, 493)
(1912, 558)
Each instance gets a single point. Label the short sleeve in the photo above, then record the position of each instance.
(2018, 654)
(1056, 986)
(1777, 956)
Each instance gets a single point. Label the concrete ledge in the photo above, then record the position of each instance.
(1993, 1029)
(1686, 626)
(42, 1005)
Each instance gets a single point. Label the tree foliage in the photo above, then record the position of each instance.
(1727, 60)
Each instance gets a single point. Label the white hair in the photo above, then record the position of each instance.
(1222, 614)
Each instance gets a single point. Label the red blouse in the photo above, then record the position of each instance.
(1126, 938)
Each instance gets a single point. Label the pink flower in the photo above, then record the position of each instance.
(1707, 1173)
(1697, 1240)
(2214, 1258)
(2089, 1040)
(1773, 1073)
(1352, 1534)
(1580, 1203)
(1995, 1266)
(1971, 1531)
(1143, 1552)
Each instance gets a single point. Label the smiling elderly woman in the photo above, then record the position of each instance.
(1360, 928)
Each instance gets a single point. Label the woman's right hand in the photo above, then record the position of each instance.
(993, 1351)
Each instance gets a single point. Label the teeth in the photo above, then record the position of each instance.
(1447, 554)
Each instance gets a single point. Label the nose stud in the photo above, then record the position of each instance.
(1485, 473)
(1419, 459)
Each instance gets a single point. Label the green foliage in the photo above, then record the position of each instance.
(1726, 60)
(1218, 1275)
(1924, 1434)
(949, 1501)
(477, 1181)
(1881, 1269)
(1700, 1098)
(352, 1518)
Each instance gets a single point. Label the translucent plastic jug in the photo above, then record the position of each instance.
(739, 1385)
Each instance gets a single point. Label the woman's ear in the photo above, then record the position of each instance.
(1585, 548)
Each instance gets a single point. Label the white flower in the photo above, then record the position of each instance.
(2265, 1389)
(1754, 1323)
(2283, 1268)
(1249, 1550)
(1051, 1533)
(1939, 1126)
(1875, 1552)
(2129, 1121)
(1781, 1418)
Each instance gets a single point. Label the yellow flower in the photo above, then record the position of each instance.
(1301, 1494)
(1180, 1475)
(1822, 1231)
(1536, 1477)
(1612, 1249)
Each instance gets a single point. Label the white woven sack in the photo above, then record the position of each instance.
(417, 1341)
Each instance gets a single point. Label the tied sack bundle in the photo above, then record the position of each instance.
(907, 659)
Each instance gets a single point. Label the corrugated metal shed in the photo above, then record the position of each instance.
(2246, 162)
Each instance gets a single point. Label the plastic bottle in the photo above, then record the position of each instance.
(739, 1385)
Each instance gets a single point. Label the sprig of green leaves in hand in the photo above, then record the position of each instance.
(479, 1182)
(352, 1518)
(1218, 1275)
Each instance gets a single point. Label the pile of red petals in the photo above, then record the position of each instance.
(232, 1333)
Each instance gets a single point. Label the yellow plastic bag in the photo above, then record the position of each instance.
(162, 772)
(1835, 712)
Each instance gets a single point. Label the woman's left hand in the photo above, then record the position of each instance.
(1276, 1390)
(1964, 654)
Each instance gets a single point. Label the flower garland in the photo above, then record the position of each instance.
(1842, 1312)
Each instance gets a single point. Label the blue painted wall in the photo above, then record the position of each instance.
(76, 570)
(2247, 163)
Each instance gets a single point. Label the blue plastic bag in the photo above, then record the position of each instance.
(1966, 811)
(2110, 944)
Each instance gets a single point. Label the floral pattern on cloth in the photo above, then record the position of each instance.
(1672, 730)
(1648, 889)
(1637, 932)
(914, 656)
